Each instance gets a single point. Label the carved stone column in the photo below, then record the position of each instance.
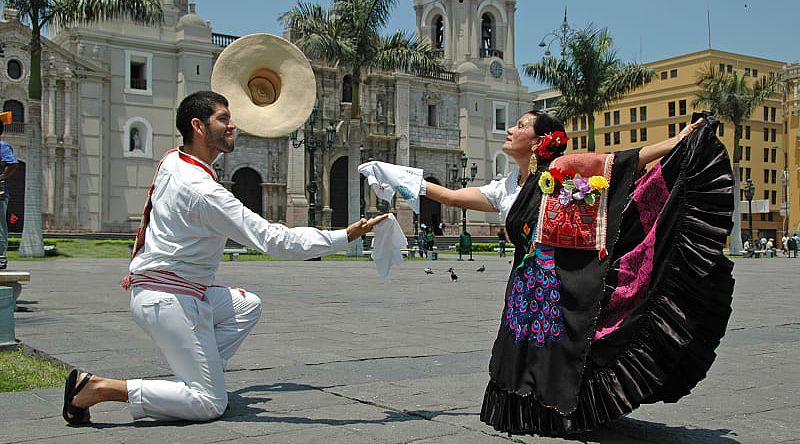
(402, 103)
(68, 108)
(296, 200)
(51, 110)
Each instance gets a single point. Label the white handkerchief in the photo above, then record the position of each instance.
(387, 244)
(386, 179)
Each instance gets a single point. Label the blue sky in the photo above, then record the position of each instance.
(643, 30)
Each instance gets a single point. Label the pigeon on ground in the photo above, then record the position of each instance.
(453, 275)
(481, 269)
(428, 270)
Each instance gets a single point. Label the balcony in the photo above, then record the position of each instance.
(222, 40)
(445, 76)
(491, 52)
(15, 128)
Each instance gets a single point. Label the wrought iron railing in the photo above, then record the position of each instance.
(15, 128)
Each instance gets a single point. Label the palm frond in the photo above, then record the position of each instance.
(67, 12)
(403, 51)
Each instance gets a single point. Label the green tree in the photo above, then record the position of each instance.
(589, 75)
(40, 14)
(732, 97)
(348, 35)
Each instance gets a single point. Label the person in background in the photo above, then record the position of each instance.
(8, 164)
(422, 241)
(501, 240)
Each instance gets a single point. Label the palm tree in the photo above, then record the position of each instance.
(348, 35)
(589, 76)
(40, 14)
(732, 98)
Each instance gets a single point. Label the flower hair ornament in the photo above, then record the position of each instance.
(548, 148)
(549, 144)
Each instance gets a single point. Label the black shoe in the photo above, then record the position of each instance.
(3, 265)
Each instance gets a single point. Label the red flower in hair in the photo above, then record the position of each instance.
(549, 143)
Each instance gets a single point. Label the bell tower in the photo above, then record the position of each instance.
(476, 31)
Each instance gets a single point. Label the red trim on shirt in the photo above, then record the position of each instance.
(191, 160)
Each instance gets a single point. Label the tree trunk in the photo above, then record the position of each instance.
(355, 108)
(590, 133)
(32, 243)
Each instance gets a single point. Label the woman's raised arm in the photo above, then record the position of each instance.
(660, 149)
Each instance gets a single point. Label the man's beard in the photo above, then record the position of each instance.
(221, 144)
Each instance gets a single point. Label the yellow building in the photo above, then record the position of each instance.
(791, 109)
(662, 108)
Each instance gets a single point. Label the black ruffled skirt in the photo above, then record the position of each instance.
(662, 344)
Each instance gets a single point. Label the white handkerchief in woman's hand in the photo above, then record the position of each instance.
(386, 179)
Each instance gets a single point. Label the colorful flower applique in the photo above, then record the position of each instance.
(571, 187)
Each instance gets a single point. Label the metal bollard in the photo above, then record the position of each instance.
(7, 336)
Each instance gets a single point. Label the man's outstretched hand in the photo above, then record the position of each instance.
(363, 226)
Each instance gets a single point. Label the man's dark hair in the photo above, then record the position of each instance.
(197, 105)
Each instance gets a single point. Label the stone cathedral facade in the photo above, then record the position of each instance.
(111, 91)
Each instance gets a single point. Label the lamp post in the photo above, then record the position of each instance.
(454, 176)
(785, 182)
(561, 34)
(312, 142)
(749, 191)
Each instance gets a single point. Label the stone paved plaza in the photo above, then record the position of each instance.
(340, 357)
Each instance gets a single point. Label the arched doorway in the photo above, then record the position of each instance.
(15, 215)
(247, 188)
(430, 211)
(338, 187)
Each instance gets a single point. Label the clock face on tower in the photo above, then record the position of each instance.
(496, 68)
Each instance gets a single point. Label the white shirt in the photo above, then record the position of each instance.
(193, 216)
(502, 193)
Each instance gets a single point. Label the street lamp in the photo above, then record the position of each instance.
(473, 171)
(561, 34)
(749, 191)
(785, 182)
(312, 142)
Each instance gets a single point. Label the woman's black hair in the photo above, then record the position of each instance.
(546, 123)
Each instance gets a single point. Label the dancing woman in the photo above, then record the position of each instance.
(619, 291)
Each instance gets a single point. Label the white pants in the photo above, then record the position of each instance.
(197, 338)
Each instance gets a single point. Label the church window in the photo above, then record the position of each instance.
(138, 73)
(347, 89)
(438, 33)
